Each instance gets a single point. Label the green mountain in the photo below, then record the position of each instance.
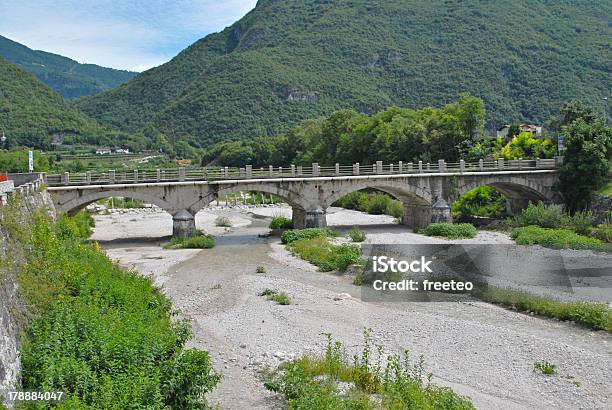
(289, 60)
(64, 75)
(31, 112)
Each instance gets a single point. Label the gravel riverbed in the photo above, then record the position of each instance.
(480, 350)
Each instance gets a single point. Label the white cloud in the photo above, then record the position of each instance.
(131, 34)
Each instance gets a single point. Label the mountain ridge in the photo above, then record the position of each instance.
(290, 60)
(68, 77)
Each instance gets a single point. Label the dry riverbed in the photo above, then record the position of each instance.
(480, 350)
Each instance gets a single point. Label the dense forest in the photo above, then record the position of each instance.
(288, 61)
(69, 78)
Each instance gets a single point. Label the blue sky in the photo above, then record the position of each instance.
(130, 34)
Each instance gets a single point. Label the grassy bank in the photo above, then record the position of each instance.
(314, 245)
(550, 226)
(596, 316)
(102, 335)
(312, 382)
(450, 231)
(199, 241)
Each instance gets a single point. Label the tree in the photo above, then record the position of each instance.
(587, 161)
(572, 111)
(525, 145)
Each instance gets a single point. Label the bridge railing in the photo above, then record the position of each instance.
(293, 171)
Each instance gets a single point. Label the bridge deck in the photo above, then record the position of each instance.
(209, 174)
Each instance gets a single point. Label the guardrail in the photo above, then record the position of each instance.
(293, 171)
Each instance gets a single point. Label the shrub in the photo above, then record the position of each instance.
(581, 222)
(602, 232)
(281, 223)
(372, 203)
(357, 235)
(199, 241)
(395, 209)
(261, 269)
(297, 234)
(546, 216)
(328, 257)
(451, 231)
(377, 204)
(223, 221)
(483, 201)
(554, 238)
(78, 226)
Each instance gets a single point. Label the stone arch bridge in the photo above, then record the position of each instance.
(425, 190)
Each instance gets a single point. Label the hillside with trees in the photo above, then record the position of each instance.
(32, 114)
(287, 61)
(66, 76)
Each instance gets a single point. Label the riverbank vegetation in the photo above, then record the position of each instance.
(314, 245)
(321, 252)
(102, 335)
(281, 222)
(373, 203)
(450, 231)
(199, 241)
(596, 316)
(551, 226)
(484, 201)
(313, 382)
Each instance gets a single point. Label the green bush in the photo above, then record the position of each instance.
(483, 201)
(357, 235)
(102, 335)
(554, 238)
(376, 203)
(78, 226)
(395, 209)
(581, 222)
(450, 231)
(602, 232)
(298, 234)
(328, 257)
(546, 216)
(281, 223)
(200, 241)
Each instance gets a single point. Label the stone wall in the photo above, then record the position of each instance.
(23, 203)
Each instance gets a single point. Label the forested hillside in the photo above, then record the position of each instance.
(30, 112)
(69, 78)
(290, 60)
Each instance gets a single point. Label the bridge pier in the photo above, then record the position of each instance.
(183, 224)
(309, 219)
(417, 216)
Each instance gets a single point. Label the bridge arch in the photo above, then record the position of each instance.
(290, 197)
(417, 201)
(519, 192)
(86, 198)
